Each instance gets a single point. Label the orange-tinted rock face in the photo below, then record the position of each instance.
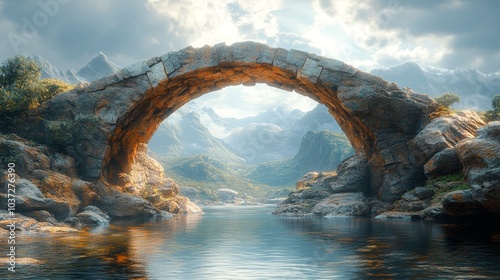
(377, 117)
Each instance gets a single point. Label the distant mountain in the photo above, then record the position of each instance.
(49, 71)
(261, 142)
(475, 88)
(200, 168)
(316, 120)
(100, 66)
(408, 74)
(319, 151)
(218, 126)
(183, 135)
(283, 116)
(322, 150)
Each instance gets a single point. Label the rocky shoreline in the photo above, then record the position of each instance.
(462, 167)
(48, 196)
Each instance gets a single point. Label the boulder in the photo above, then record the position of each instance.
(435, 212)
(444, 132)
(307, 180)
(93, 216)
(179, 205)
(415, 200)
(24, 223)
(29, 198)
(121, 205)
(154, 198)
(424, 193)
(480, 158)
(443, 163)
(168, 188)
(43, 216)
(62, 164)
(24, 154)
(343, 204)
(352, 176)
(464, 203)
(295, 209)
(84, 191)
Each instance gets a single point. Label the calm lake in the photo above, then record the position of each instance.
(247, 242)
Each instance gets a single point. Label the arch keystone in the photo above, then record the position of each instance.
(157, 74)
(311, 70)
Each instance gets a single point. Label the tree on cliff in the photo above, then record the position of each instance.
(447, 99)
(494, 115)
(21, 88)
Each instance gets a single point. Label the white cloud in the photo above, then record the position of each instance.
(354, 31)
(202, 22)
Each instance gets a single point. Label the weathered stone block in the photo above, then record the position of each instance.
(336, 65)
(123, 74)
(224, 53)
(171, 62)
(245, 52)
(443, 163)
(290, 60)
(138, 68)
(157, 74)
(190, 59)
(311, 70)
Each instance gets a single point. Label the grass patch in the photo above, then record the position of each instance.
(445, 184)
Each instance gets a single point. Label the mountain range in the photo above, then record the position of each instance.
(100, 66)
(476, 89)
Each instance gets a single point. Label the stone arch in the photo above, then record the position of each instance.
(377, 117)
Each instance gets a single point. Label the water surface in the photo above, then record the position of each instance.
(247, 242)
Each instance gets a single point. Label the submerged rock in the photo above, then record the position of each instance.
(392, 215)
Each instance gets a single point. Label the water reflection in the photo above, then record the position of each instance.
(249, 243)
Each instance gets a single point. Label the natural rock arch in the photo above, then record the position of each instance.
(124, 110)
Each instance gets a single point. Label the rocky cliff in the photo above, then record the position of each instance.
(462, 164)
(49, 195)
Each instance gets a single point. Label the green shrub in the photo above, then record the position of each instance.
(69, 132)
(21, 89)
(447, 99)
(493, 115)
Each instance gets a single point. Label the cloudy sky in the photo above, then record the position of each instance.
(453, 34)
